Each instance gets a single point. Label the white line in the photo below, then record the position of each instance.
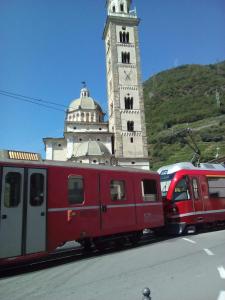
(209, 252)
(199, 213)
(189, 240)
(221, 270)
(221, 295)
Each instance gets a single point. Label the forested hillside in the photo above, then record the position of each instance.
(187, 96)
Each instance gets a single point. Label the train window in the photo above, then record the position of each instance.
(12, 192)
(216, 187)
(181, 191)
(117, 190)
(75, 190)
(149, 190)
(195, 188)
(36, 189)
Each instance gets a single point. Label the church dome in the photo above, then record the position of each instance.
(92, 148)
(84, 102)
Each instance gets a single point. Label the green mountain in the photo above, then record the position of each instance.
(189, 96)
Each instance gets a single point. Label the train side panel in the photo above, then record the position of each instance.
(213, 189)
(72, 217)
(149, 206)
(111, 202)
(117, 196)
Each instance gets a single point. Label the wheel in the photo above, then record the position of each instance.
(100, 244)
(135, 238)
(87, 244)
(120, 242)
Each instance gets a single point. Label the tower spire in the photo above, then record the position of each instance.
(118, 6)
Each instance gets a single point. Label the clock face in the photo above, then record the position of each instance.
(127, 75)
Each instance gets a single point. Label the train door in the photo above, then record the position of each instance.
(197, 198)
(118, 211)
(23, 210)
(11, 222)
(36, 211)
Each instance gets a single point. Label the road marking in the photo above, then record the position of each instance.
(209, 252)
(221, 270)
(221, 296)
(189, 240)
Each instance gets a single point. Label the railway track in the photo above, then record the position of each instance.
(73, 254)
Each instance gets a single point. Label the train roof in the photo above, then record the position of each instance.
(169, 169)
(34, 159)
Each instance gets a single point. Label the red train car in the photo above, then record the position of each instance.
(45, 204)
(193, 196)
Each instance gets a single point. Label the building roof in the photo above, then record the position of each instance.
(84, 102)
(92, 148)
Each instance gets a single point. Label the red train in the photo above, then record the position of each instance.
(194, 196)
(45, 204)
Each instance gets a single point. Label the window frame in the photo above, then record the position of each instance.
(130, 126)
(215, 195)
(71, 203)
(124, 195)
(187, 192)
(149, 197)
(18, 193)
(194, 188)
(125, 57)
(128, 102)
(37, 203)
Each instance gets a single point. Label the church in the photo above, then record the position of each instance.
(122, 139)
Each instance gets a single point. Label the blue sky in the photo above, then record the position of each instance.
(48, 47)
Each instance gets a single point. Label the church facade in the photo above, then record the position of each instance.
(122, 139)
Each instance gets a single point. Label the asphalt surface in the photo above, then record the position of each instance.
(187, 267)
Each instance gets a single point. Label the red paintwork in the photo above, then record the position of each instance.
(204, 206)
(94, 223)
(65, 225)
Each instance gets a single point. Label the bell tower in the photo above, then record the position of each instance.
(124, 85)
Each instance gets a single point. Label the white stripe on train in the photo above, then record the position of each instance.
(98, 206)
(198, 213)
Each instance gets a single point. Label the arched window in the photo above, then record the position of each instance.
(87, 117)
(124, 37)
(114, 9)
(82, 117)
(128, 102)
(128, 57)
(121, 37)
(121, 7)
(125, 57)
(127, 37)
(130, 126)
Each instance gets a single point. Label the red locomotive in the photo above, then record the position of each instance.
(45, 204)
(194, 196)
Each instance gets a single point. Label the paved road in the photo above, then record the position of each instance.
(191, 267)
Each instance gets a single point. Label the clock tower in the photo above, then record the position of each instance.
(124, 85)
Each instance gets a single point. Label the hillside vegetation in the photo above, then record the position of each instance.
(189, 96)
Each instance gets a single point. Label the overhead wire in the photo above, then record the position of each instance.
(33, 100)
